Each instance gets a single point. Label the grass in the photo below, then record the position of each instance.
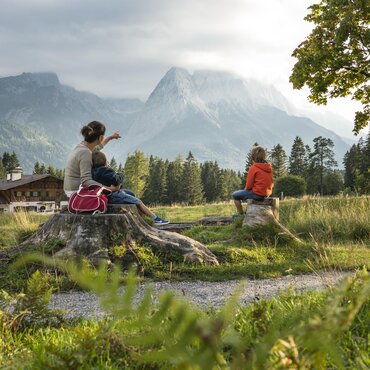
(309, 330)
(181, 213)
(18, 226)
(335, 233)
(328, 329)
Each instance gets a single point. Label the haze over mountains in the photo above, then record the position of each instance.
(216, 115)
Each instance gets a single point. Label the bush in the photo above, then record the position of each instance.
(333, 183)
(292, 331)
(291, 186)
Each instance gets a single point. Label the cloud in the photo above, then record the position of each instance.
(123, 47)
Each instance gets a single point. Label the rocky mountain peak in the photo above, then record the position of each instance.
(175, 84)
(43, 79)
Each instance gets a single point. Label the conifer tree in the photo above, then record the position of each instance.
(211, 180)
(174, 178)
(156, 187)
(51, 170)
(357, 166)
(230, 181)
(333, 182)
(2, 170)
(298, 158)
(248, 164)
(6, 161)
(113, 164)
(321, 161)
(42, 168)
(120, 168)
(351, 163)
(36, 168)
(136, 172)
(14, 162)
(278, 160)
(191, 183)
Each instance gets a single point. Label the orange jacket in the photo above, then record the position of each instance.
(259, 179)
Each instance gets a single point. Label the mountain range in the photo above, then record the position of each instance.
(216, 115)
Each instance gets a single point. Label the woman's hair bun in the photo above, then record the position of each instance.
(86, 130)
(92, 131)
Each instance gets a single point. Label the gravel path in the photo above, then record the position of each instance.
(202, 293)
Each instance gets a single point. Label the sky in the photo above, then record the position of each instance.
(122, 48)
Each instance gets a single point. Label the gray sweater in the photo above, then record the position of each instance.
(78, 168)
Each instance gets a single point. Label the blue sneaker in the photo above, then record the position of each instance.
(160, 221)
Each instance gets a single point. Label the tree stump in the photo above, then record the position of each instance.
(91, 236)
(261, 212)
(266, 212)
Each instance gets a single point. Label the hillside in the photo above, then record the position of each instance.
(31, 146)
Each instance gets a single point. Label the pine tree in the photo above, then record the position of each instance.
(357, 166)
(174, 177)
(248, 164)
(333, 182)
(278, 160)
(321, 160)
(113, 164)
(6, 161)
(14, 162)
(156, 187)
(351, 163)
(42, 169)
(211, 180)
(2, 170)
(136, 172)
(298, 158)
(230, 181)
(51, 170)
(192, 188)
(59, 173)
(37, 168)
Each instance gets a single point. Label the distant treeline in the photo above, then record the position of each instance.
(308, 170)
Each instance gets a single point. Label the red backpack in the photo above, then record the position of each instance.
(89, 199)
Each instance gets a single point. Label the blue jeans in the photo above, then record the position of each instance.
(124, 196)
(244, 195)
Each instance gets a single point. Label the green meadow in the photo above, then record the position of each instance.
(335, 234)
(307, 330)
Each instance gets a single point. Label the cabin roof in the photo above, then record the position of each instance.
(26, 179)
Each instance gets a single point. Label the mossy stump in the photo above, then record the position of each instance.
(266, 212)
(261, 212)
(91, 236)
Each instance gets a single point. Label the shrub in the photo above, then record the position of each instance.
(291, 186)
(333, 183)
(291, 331)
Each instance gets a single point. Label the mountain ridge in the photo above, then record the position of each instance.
(217, 115)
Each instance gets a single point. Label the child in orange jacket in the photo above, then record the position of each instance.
(259, 180)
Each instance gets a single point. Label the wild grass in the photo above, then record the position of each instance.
(329, 219)
(335, 233)
(16, 227)
(180, 213)
(291, 331)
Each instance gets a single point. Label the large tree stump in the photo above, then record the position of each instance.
(266, 212)
(91, 236)
(261, 212)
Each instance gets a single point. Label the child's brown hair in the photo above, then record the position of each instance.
(98, 159)
(258, 154)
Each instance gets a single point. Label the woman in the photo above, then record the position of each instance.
(79, 165)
